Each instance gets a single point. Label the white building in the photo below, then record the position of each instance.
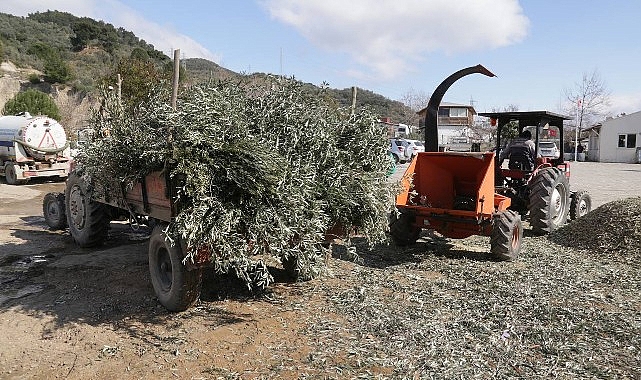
(616, 139)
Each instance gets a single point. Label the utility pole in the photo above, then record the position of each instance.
(576, 130)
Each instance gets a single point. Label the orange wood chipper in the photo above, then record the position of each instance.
(460, 194)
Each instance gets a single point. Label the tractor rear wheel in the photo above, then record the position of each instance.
(53, 209)
(507, 233)
(580, 204)
(549, 200)
(402, 228)
(88, 219)
(176, 287)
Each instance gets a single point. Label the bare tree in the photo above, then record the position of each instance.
(482, 130)
(415, 100)
(588, 100)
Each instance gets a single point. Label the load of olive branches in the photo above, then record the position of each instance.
(266, 169)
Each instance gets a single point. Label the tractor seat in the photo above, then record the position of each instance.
(521, 161)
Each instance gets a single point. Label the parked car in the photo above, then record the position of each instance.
(397, 149)
(548, 149)
(415, 147)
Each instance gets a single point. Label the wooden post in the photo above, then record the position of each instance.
(354, 90)
(174, 94)
(119, 87)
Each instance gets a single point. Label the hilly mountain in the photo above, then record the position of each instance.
(59, 51)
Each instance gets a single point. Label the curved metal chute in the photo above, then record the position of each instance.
(431, 118)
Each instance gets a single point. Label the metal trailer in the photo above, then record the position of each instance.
(87, 210)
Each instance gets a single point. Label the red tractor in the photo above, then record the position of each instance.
(460, 194)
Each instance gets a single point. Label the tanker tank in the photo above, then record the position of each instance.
(32, 146)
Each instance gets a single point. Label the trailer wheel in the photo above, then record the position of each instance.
(507, 233)
(53, 209)
(11, 174)
(88, 220)
(580, 204)
(176, 287)
(290, 265)
(549, 200)
(402, 228)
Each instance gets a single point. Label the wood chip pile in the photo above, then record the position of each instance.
(613, 229)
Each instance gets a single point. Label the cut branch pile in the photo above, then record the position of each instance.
(266, 169)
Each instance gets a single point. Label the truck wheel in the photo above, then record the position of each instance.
(549, 201)
(88, 219)
(402, 228)
(507, 233)
(176, 287)
(11, 175)
(53, 208)
(580, 204)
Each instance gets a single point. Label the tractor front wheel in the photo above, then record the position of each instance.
(402, 228)
(549, 200)
(507, 233)
(580, 204)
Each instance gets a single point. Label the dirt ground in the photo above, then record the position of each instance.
(68, 312)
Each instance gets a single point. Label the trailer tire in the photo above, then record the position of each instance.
(88, 220)
(53, 209)
(176, 287)
(507, 234)
(290, 266)
(402, 228)
(549, 200)
(580, 204)
(11, 175)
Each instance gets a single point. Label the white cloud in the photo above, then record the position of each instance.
(164, 38)
(627, 103)
(390, 36)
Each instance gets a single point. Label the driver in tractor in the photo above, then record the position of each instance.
(521, 152)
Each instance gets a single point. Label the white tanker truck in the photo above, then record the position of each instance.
(32, 147)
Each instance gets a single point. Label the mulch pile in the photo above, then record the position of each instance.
(612, 229)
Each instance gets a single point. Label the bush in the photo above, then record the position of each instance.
(33, 101)
(34, 78)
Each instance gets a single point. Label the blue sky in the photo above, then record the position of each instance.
(537, 48)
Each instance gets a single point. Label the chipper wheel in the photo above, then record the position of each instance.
(549, 200)
(176, 287)
(88, 219)
(53, 209)
(580, 204)
(507, 233)
(402, 228)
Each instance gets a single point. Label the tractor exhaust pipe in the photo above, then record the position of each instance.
(431, 119)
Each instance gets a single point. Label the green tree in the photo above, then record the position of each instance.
(33, 101)
(138, 79)
(85, 32)
(57, 71)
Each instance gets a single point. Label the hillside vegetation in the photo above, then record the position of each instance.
(81, 53)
